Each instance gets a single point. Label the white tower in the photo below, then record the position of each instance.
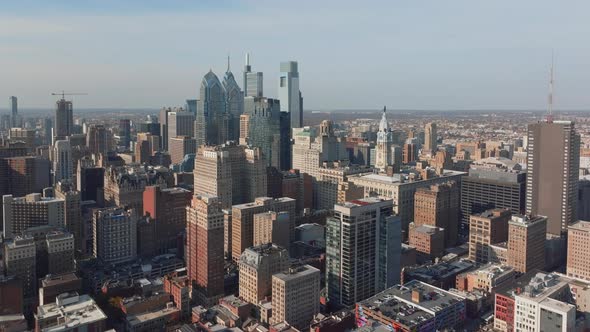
(62, 160)
(384, 142)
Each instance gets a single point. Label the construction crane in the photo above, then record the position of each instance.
(64, 94)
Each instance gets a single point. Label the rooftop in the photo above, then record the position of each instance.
(296, 272)
(134, 320)
(580, 225)
(70, 310)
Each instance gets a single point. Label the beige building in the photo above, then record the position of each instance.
(526, 243)
(180, 146)
(272, 227)
(428, 240)
(296, 296)
(31, 211)
(234, 173)
(256, 267)
(439, 206)
(330, 176)
(485, 229)
(20, 261)
(311, 150)
(242, 224)
(430, 138)
(578, 249)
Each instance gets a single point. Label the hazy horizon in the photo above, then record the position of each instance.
(352, 56)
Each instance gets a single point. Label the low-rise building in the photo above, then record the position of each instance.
(70, 312)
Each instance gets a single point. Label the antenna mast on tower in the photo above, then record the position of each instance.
(550, 97)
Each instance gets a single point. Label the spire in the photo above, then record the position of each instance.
(550, 97)
(247, 59)
(228, 63)
(383, 124)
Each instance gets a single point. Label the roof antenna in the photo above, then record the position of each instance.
(228, 63)
(550, 97)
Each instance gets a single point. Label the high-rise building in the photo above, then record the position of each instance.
(256, 266)
(272, 227)
(163, 118)
(553, 161)
(264, 127)
(26, 136)
(124, 186)
(234, 173)
(180, 123)
(243, 220)
(311, 151)
(211, 125)
(13, 105)
(62, 160)
(64, 120)
(289, 93)
(234, 104)
(383, 157)
(485, 229)
(180, 146)
(363, 250)
(526, 243)
(90, 182)
(31, 211)
(439, 206)
(330, 176)
(253, 81)
(492, 183)
(20, 261)
(578, 237)
(204, 256)
(59, 247)
(430, 138)
(296, 296)
(97, 139)
(124, 132)
(167, 206)
(428, 240)
(25, 175)
(409, 153)
(73, 212)
(114, 235)
(47, 131)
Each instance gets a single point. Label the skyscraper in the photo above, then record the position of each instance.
(439, 206)
(180, 146)
(114, 235)
(526, 243)
(234, 104)
(163, 118)
(30, 211)
(485, 229)
(363, 248)
(211, 121)
(430, 138)
(97, 139)
(383, 150)
(13, 104)
(180, 123)
(253, 81)
(552, 173)
(62, 160)
(257, 265)
(264, 127)
(289, 94)
(578, 264)
(73, 211)
(64, 119)
(125, 132)
(296, 293)
(204, 256)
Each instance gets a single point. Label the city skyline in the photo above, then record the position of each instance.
(124, 57)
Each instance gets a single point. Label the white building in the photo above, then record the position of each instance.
(62, 160)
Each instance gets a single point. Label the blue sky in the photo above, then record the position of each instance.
(452, 54)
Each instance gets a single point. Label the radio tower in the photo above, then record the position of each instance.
(550, 97)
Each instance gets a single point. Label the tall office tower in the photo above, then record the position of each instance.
(363, 250)
(430, 138)
(243, 220)
(73, 211)
(492, 183)
(204, 238)
(409, 153)
(553, 163)
(20, 261)
(97, 139)
(47, 131)
(526, 243)
(383, 151)
(272, 227)
(286, 144)
(439, 206)
(31, 211)
(256, 266)
(311, 151)
(25, 175)
(13, 104)
(233, 173)
(114, 233)
(211, 120)
(59, 248)
(167, 207)
(180, 123)
(64, 120)
(90, 183)
(180, 146)
(296, 296)
(27, 136)
(289, 93)
(125, 132)
(62, 160)
(485, 229)
(264, 127)
(234, 104)
(163, 118)
(578, 237)
(191, 106)
(244, 128)
(253, 81)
